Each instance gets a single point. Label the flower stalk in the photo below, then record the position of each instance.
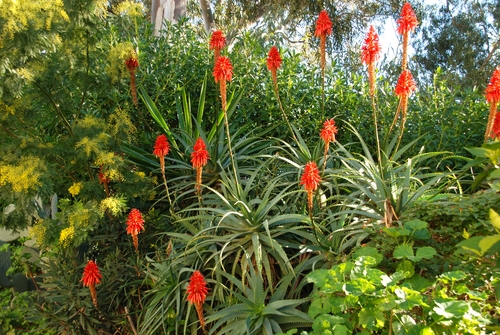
(91, 277)
(160, 150)
(132, 63)
(197, 293)
(135, 224)
(323, 28)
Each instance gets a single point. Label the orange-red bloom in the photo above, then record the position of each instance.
(135, 224)
(495, 129)
(407, 20)
(406, 85)
(370, 51)
(328, 131)
(223, 69)
(91, 274)
(199, 158)
(323, 24)
(161, 149)
(197, 289)
(132, 63)
(492, 92)
(200, 155)
(91, 277)
(197, 292)
(273, 59)
(217, 43)
(310, 179)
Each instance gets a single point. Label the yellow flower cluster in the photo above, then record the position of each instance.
(80, 218)
(120, 123)
(75, 189)
(66, 237)
(113, 205)
(38, 232)
(130, 8)
(23, 177)
(140, 174)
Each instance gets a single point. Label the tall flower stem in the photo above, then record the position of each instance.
(283, 112)
(323, 28)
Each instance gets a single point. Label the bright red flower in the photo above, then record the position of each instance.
(495, 130)
(161, 147)
(218, 40)
(493, 90)
(135, 222)
(407, 20)
(223, 70)
(197, 289)
(132, 63)
(328, 131)
(273, 59)
(310, 178)
(91, 274)
(370, 51)
(323, 24)
(406, 85)
(200, 155)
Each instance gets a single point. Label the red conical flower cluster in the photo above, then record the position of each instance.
(327, 134)
(310, 179)
(135, 224)
(273, 63)
(91, 277)
(217, 43)
(197, 293)
(407, 23)
(495, 129)
(405, 86)
(370, 53)
(323, 28)
(223, 72)
(161, 149)
(199, 158)
(492, 93)
(132, 63)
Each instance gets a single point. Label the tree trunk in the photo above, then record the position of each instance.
(169, 10)
(208, 17)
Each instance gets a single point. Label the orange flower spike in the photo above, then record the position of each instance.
(197, 293)
(404, 87)
(495, 129)
(132, 63)
(217, 43)
(323, 28)
(370, 53)
(223, 72)
(135, 224)
(274, 63)
(407, 23)
(161, 149)
(310, 179)
(91, 277)
(492, 93)
(327, 134)
(199, 158)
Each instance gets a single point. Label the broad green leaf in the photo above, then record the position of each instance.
(319, 305)
(487, 242)
(369, 251)
(341, 330)
(478, 152)
(371, 319)
(408, 298)
(358, 287)
(471, 244)
(495, 218)
(450, 308)
(452, 276)
(425, 252)
(403, 250)
(427, 331)
(414, 225)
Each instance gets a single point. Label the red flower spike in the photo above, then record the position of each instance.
(273, 59)
(407, 20)
(161, 149)
(495, 130)
(328, 131)
(91, 274)
(223, 70)
(492, 92)
(200, 155)
(217, 43)
(91, 277)
(199, 158)
(310, 179)
(132, 63)
(406, 85)
(135, 224)
(197, 292)
(323, 24)
(197, 289)
(370, 51)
